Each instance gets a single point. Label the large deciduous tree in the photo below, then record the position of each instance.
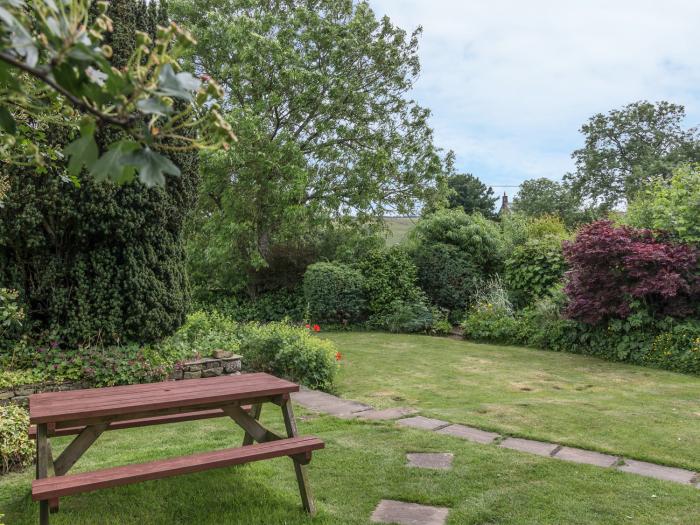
(627, 147)
(318, 94)
(470, 194)
(543, 196)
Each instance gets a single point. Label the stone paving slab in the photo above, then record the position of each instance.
(579, 455)
(327, 403)
(423, 423)
(469, 433)
(387, 413)
(528, 445)
(401, 513)
(651, 470)
(434, 460)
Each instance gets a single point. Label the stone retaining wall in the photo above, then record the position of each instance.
(207, 367)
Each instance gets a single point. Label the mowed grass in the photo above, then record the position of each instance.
(362, 464)
(398, 228)
(638, 412)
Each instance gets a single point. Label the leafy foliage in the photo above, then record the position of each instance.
(533, 269)
(672, 205)
(447, 275)
(334, 293)
(288, 351)
(472, 195)
(538, 197)
(318, 94)
(97, 263)
(616, 271)
(628, 146)
(16, 449)
(454, 252)
(390, 276)
(53, 53)
(416, 317)
(678, 348)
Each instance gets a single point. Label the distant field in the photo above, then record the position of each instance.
(398, 228)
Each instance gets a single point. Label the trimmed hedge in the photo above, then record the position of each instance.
(334, 293)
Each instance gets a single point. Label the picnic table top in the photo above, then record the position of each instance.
(53, 407)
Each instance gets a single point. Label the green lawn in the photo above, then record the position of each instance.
(363, 463)
(398, 228)
(638, 412)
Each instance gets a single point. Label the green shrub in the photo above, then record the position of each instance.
(677, 349)
(288, 351)
(275, 305)
(16, 449)
(447, 275)
(547, 226)
(487, 323)
(11, 317)
(94, 365)
(11, 378)
(415, 317)
(334, 292)
(533, 269)
(671, 205)
(390, 275)
(454, 252)
(202, 333)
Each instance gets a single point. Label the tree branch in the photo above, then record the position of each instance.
(46, 79)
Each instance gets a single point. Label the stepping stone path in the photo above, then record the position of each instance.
(398, 512)
(335, 406)
(434, 460)
(422, 423)
(651, 470)
(528, 445)
(578, 455)
(470, 434)
(387, 413)
(328, 404)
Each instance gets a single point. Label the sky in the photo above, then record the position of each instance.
(510, 82)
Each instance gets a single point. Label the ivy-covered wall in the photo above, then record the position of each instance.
(97, 262)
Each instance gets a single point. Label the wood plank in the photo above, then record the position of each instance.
(300, 469)
(148, 388)
(143, 422)
(251, 426)
(125, 400)
(44, 489)
(42, 468)
(76, 448)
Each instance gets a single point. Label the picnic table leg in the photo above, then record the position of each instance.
(255, 413)
(42, 467)
(299, 469)
(53, 502)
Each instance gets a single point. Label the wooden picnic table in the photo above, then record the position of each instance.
(90, 412)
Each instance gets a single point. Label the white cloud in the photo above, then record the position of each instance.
(511, 81)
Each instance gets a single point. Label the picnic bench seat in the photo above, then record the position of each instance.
(58, 486)
(88, 413)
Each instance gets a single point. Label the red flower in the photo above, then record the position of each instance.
(338, 356)
(308, 326)
(317, 328)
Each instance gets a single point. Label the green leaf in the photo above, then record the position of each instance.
(111, 164)
(7, 121)
(180, 85)
(153, 106)
(83, 150)
(151, 166)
